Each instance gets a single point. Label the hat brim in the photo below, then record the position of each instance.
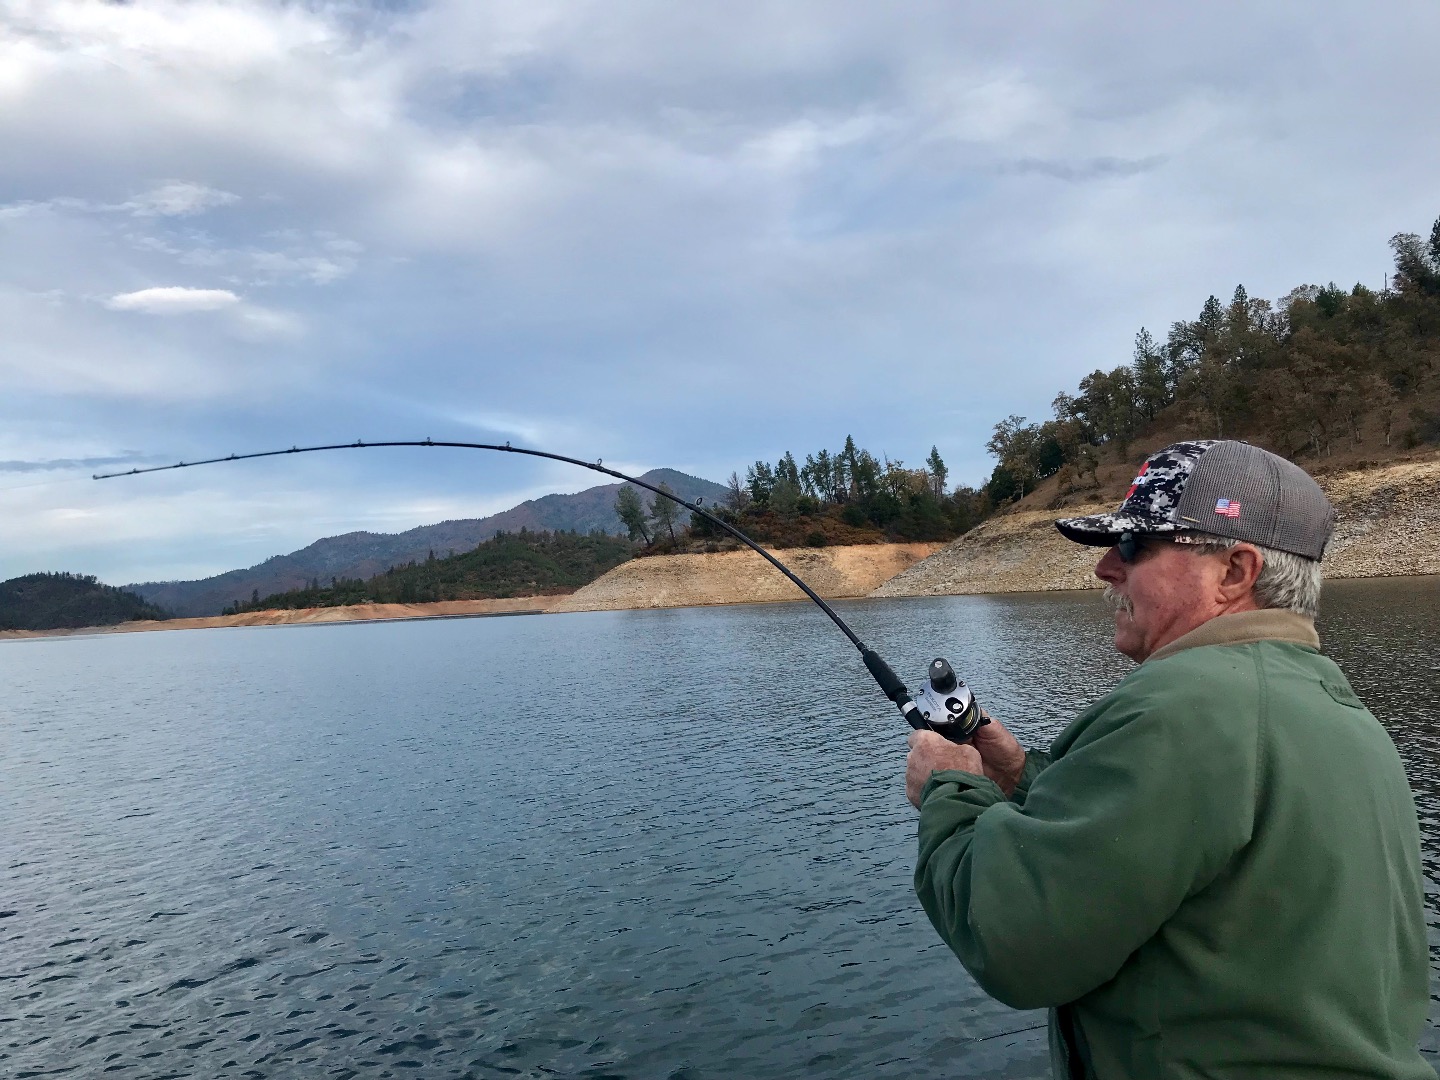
(1103, 530)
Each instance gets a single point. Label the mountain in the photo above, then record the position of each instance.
(65, 601)
(364, 554)
(509, 565)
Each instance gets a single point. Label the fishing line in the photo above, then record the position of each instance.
(953, 710)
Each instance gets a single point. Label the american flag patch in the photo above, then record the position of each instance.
(1227, 508)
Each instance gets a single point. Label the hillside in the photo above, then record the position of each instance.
(57, 601)
(509, 565)
(1389, 524)
(361, 555)
(743, 577)
(1324, 376)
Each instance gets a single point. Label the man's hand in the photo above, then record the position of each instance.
(1003, 757)
(929, 753)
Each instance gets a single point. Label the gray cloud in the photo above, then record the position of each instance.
(1100, 168)
(679, 235)
(174, 198)
(178, 198)
(62, 464)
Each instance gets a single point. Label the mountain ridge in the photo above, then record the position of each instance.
(54, 601)
(362, 554)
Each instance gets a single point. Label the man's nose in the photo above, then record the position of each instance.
(1111, 568)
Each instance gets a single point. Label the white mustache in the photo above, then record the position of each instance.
(1118, 601)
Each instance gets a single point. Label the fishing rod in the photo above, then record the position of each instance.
(946, 705)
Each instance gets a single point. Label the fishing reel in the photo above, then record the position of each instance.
(945, 705)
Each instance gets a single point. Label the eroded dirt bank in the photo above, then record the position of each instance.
(1389, 525)
(742, 577)
(352, 613)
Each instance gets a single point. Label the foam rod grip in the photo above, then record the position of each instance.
(889, 682)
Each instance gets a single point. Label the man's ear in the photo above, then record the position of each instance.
(1243, 564)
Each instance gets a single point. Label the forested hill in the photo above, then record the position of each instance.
(511, 564)
(1326, 376)
(361, 555)
(67, 601)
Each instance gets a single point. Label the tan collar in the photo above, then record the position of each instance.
(1244, 628)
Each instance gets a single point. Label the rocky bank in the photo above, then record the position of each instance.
(1388, 524)
(743, 577)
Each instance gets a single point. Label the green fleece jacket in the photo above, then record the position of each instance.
(1214, 872)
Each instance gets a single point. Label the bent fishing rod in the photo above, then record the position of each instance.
(946, 705)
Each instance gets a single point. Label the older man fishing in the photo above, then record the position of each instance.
(1215, 870)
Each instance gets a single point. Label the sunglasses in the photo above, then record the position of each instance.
(1129, 546)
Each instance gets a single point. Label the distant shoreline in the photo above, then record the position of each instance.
(663, 581)
(1389, 527)
(354, 613)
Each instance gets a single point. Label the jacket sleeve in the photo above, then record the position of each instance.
(1036, 761)
(1044, 900)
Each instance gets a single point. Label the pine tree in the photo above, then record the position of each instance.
(631, 513)
(938, 472)
(663, 513)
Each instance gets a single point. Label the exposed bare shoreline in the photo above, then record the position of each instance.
(1389, 525)
(730, 577)
(445, 609)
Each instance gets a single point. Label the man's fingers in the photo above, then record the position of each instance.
(929, 752)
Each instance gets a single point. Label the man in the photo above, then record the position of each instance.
(1215, 870)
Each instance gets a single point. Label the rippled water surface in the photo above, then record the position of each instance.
(633, 844)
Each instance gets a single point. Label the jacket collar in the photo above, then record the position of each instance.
(1245, 628)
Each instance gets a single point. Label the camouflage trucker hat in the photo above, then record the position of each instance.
(1219, 487)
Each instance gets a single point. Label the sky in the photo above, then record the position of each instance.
(665, 235)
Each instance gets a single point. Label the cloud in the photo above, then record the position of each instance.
(269, 266)
(174, 198)
(261, 325)
(529, 430)
(178, 198)
(173, 300)
(1099, 168)
(245, 321)
(604, 225)
(58, 464)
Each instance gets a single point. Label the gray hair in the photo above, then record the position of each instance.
(1287, 581)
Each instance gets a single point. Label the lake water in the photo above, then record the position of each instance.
(630, 844)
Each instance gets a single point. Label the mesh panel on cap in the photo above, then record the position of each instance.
(1280, 505)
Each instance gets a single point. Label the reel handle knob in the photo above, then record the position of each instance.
(942, 676)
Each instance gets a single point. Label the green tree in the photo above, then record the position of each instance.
(865, 474)
(784, 496)
(759, 480)
(1006, 436)
(664, 513)
(1152, 392)
(938, 472)
(1417, 266)
(815, 475)
(786, 470)
(631, 513)
(850, 463)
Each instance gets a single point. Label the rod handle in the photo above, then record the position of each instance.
(889, 683)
